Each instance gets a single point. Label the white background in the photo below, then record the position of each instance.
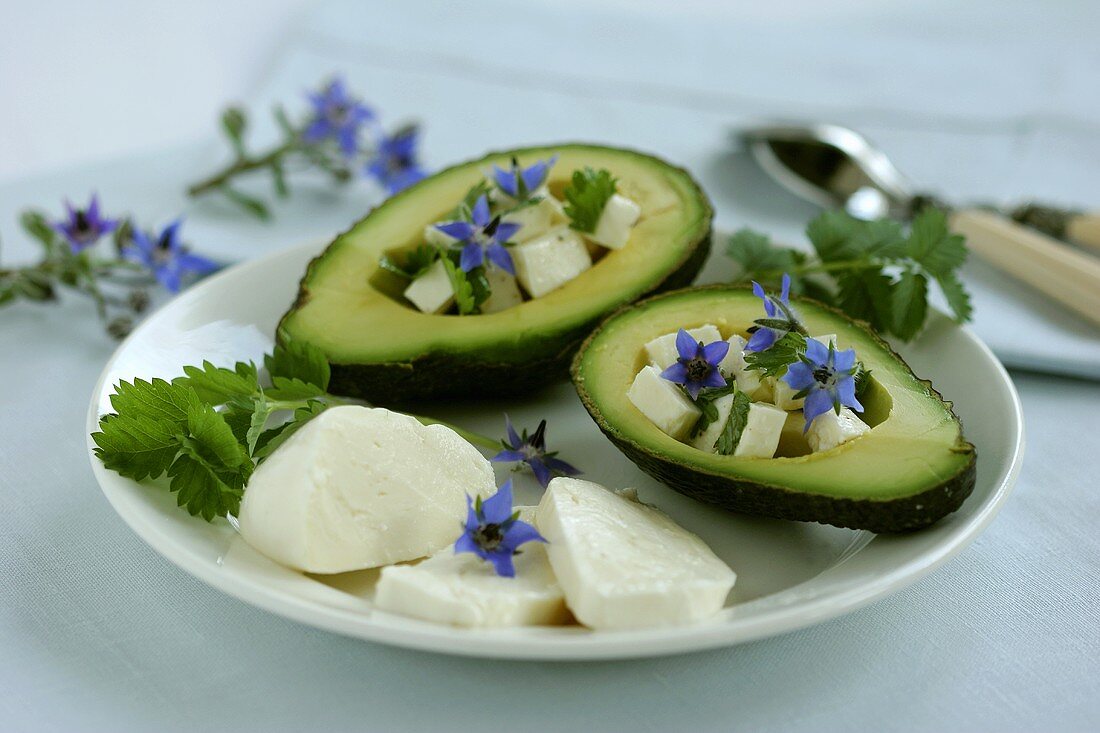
(982, 99)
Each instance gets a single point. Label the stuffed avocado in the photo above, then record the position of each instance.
(901, 463)
(363, 300)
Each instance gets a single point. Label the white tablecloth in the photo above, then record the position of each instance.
(992, 100)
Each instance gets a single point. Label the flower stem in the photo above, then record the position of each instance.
(481, 441)
(243, 164)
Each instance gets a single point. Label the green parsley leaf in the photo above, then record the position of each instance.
(774, 360)
(586, 197)
(957, 297)
(909, 304)
(471, 288)
(298, 360)
(730, 436)
(217, 385)
(938, 251)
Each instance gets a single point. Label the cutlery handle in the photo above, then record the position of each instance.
(1058, 271)
(1084, 229)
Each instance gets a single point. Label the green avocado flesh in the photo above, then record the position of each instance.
(384, 350)
(912, 468)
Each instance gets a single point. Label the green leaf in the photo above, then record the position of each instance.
(465, 298)
(136, 447)
(416, 262)
(909, 304)
(774, 360)
(881, 238)
(866, 295)
(201, 488)
(38, 227)
(261, 411)
(290, 389)
(833, 235)
(299, 360)
(730, 436)
(586, 197)
(273, 438)
(250, 204)
(705, 402)
(957, 297)
(862, 378)
(930, 244)
(278, 178)
(462, 211)
(7, 293)
(755, 253)
(212, 437)
(157, 400)
(217, 385)
(234, 121)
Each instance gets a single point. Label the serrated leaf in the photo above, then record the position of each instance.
(958, 299)
(775, 359)
(273, 438)
(218, 385)
(909, 304)
(756, 254)
(586, 196)
(730, 436)
(136, 447)
(157, 400)
(210, 435)
(866, 295)
(880, 238)
(833, 235)
(931, 245)
(292, 389)
(299, 360)
(202, 489)
(261, 411)
(463, 288)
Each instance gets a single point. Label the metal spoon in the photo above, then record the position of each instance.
(836, 167)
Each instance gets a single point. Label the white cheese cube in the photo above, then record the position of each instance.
(734, 365)
(360, 487)
(503, 291)
(432, 292)
(464, 590)
(782, 395)
(760, 437)
(706, 440)
(536, 219)
(618, 217)
(437, 238)
(626, 565)
(662, 352)
(659, 400)
(829, 429)
(546, 263)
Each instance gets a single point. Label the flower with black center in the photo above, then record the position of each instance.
(519, 182)
(395, 163)
(337, 116)
(166, 257)
(482, 238)
(780, 321)
(826, 378)
(531, 449)
(494, 532)
(697, 365)
(84, 227)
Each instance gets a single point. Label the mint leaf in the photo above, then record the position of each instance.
(957, 297)
(586, 197)
(909, 304)
(730, 436)
(866, 295)
(218, 385)
(299, 360)
(136, 447)
(273, 438)
(774, 360)
(931, 245)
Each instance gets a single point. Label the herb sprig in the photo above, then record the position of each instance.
(874, 271)
(586, 197)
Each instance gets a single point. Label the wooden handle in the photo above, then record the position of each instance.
(1063, 274)
(1084, 229)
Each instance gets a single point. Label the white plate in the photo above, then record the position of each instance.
(790, 575)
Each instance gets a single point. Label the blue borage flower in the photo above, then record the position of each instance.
(481, 238)
(494, 531)
(826, 378)
(780, 315)
(395, 164)
(166, 257)
(531, 449)
(697, 366)
(519, 182)
(84, 227)
(337, 116)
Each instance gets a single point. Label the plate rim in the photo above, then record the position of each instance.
(486, 643)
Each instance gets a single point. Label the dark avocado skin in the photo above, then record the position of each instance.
(462, 376)
(457, 377)
(902, 514)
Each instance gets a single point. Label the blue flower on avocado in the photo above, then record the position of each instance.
(494, 531)
(519, 182)
(778, 310)
(826, 378)
(697, 366)
(482, 238)
(395, 164)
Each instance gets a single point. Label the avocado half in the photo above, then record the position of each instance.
(911, 469)
(384, 350)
